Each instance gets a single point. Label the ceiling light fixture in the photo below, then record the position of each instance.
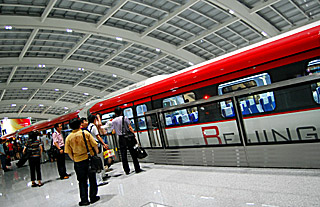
(264, 33)
(231, 11)
(119, 38)
(57, 89)
(158, 50)
(69, 30)
(41, 66)
(8, 27)
(86, 94)
(66, 108)
(82, 69)
(41, 105)
(190, 63)
(114, 75)
(24, 88)
(13, 105)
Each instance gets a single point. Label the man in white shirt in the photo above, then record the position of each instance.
(95, 133)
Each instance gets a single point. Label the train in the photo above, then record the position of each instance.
(258, 106)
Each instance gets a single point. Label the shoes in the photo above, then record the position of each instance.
(34, 185)
(68, 174)
(102, 183)
(127, 173)
(139, 171)
(95, 199)
(86, 203)
(65, 177)
(40, 184)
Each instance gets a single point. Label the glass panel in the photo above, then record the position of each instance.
(211, 132)
(253, 104)
(296, 118)
(141, 109)
(183, 116)
(128, 112)
(152, 134)
(315, 89)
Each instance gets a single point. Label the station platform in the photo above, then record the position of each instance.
(169, 185)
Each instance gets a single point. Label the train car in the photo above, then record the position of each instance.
(220, 113)
(254, 107)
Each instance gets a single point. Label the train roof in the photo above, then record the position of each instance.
(283, 45)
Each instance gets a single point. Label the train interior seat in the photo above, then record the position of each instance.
(244, 108)
(169, 120)
(193, 117)
(144, 108)
(266, 103)
(185, 118)
(317, 92)
(228, 110)
(252, 106)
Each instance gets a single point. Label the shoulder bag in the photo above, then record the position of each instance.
(128, 135)
(95, 162)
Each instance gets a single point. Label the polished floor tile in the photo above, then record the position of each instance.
(169, 186)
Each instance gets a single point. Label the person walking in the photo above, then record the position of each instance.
(124, 144)
(76, 149)
(35, 149)
(59, 143)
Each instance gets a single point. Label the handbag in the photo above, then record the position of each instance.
(108, 153)
(128, 135)
(141, 153)
(95, 162)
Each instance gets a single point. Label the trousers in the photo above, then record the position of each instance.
(124, 146)
(34, 163)
(82, 171)
(61, 164)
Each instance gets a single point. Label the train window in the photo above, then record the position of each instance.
(141, 109)
(252, 104)
(183, 116)
(314, 67)
(129, 113)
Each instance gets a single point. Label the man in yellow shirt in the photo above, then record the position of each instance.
(77, 151)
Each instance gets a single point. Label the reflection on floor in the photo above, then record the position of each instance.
(164, 185)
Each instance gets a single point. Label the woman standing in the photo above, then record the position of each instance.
(35, 149)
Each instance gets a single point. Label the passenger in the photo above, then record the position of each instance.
(77, 151)
(95, 133)
(102, 131)
(10, 148)
(84, 123)
(3, 156)
(124, 145)
(59, 143)
(46, 147)
(35, 149)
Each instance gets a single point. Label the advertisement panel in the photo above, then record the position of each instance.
(12, 125)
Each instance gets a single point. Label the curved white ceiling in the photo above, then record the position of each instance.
(69, 52)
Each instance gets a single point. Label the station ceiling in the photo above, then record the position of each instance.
(56, 55)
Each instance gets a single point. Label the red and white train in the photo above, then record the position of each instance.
(258, 106)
